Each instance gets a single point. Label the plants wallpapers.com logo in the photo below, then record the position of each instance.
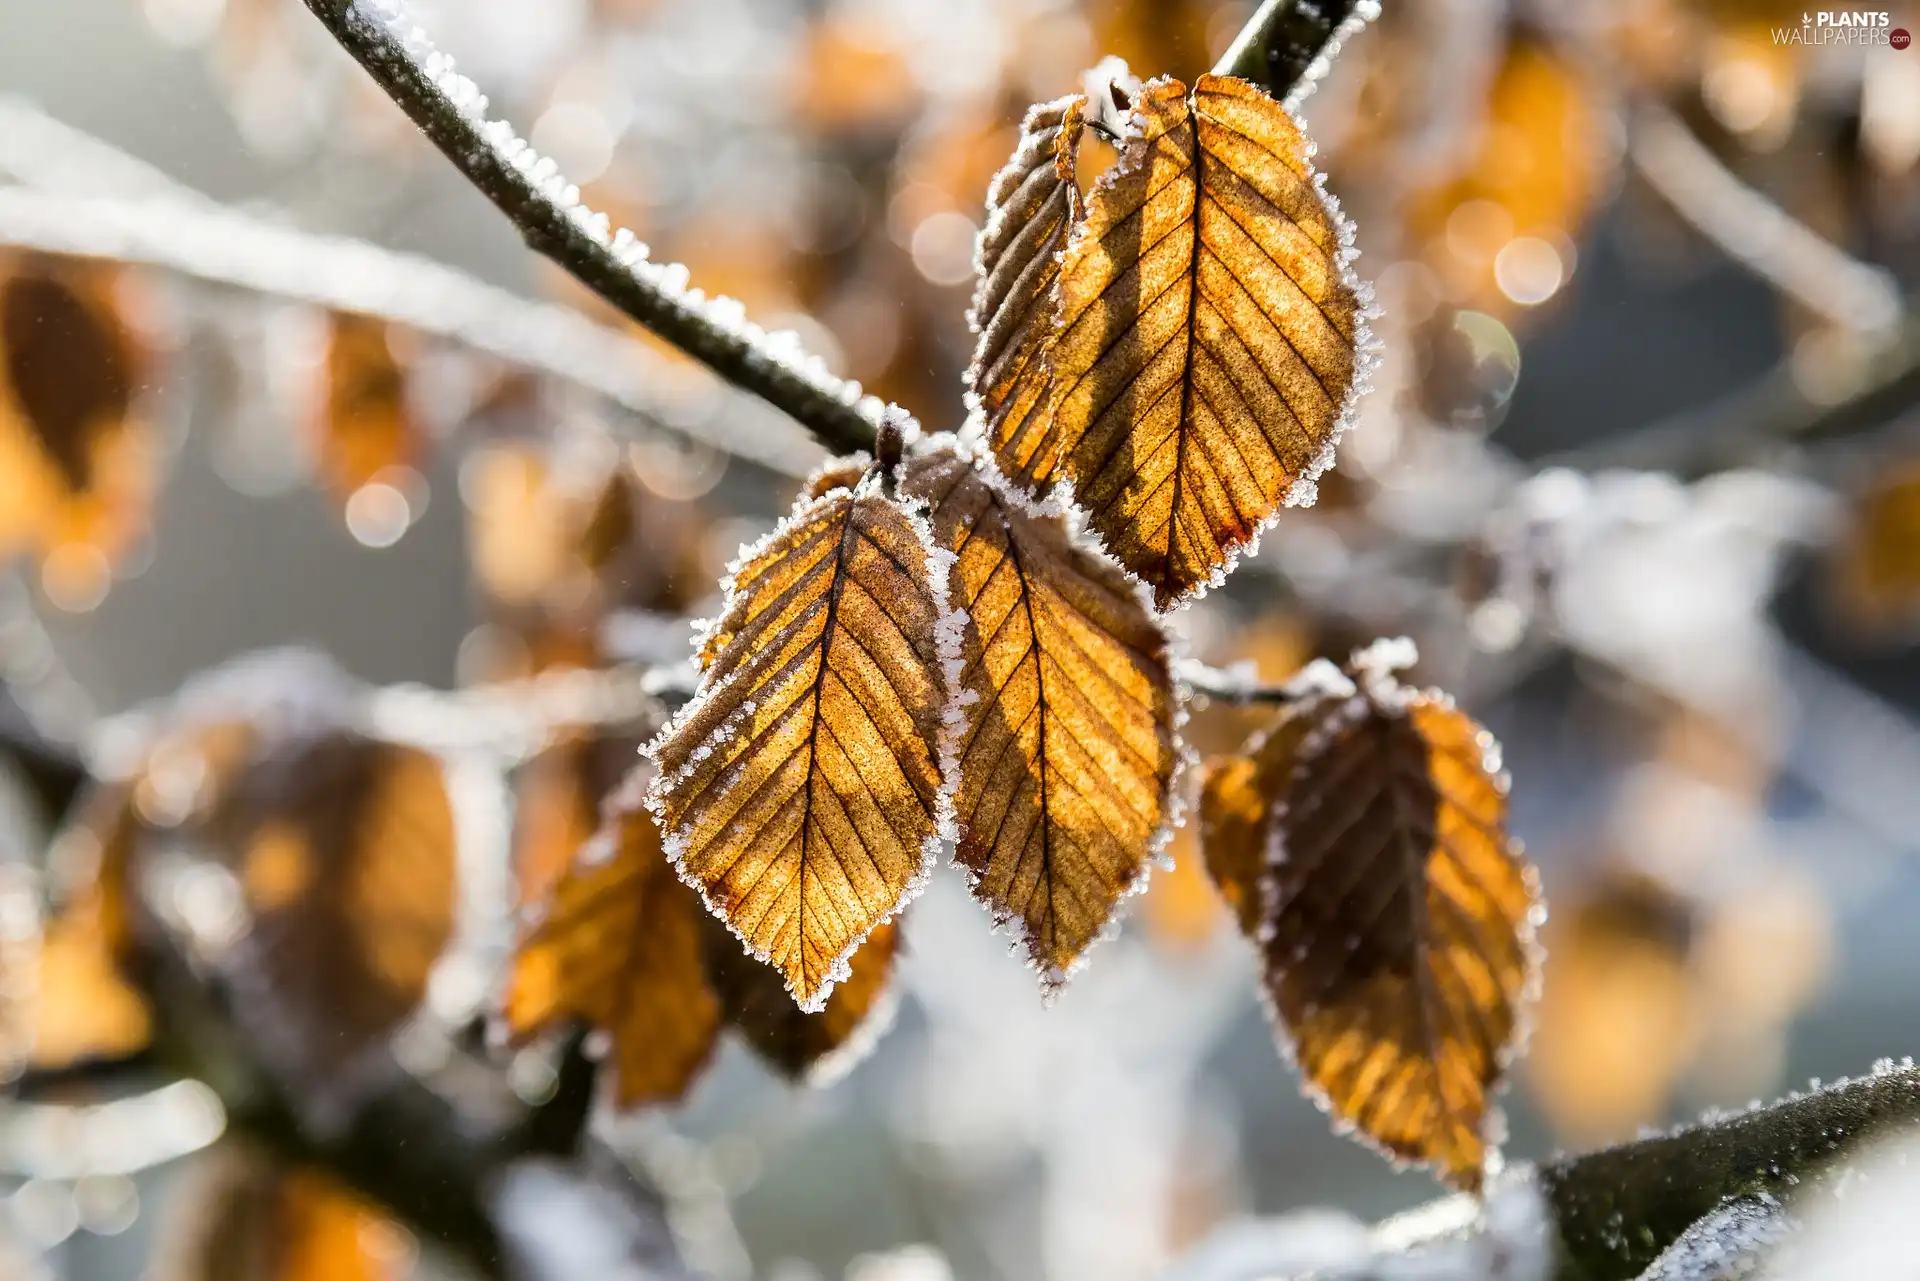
(1845, 26)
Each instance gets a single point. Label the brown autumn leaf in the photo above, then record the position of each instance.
(248, 1216)
(1398, 925)
(620, 946)
(801, 791)
(76, 455)
(1209, 338)
(1236, 800)
(366, 423)
(803, 1046)
(556, 811)
(1033, 206)
(1067, 765)
(344, 852)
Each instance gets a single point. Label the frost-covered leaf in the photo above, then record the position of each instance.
(343, 850)
(1209, 338)
(619, 946)
(801, 791)
(1069, 755)
(801, 1045)
(1399, 916)
(1236, 800)
(624, 945)
(76, 455)
(557, 806)
(248, 1216)
(1033, 206)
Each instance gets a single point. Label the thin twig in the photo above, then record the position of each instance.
(51, 155)
(1769, 414)
(547, 211)
(1755, 231)
(1288, 45)
(1237, 686)
(515, 716)
(222, 246)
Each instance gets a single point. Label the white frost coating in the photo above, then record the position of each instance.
(1731, 1243)
(222, 246)
(1367, 346)
(1372, 690)
(946, 643)
(1363, 13)
(669, 281)
(1173, 800)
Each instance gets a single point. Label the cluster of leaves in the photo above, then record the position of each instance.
(963, 640)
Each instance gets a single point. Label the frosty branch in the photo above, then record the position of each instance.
(207, 242)
(1288, 45)
(548, 214)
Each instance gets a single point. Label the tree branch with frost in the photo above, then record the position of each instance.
(1288, 45)
(1775, 412)
(546, 210)
(1237, 686)
(1755, 231)
(208, 242)
(1611, 1214)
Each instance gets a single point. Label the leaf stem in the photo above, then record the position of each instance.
(547, 211)
(1233, 686)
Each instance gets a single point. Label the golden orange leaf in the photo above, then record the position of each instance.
(557, 806)
(366, 424)
(344, 851)
(620, 947)
(1400, 917)
(801, 1045)
(76, 456)
(251, 1217)
(1033, 206)
(801, 791)
(1067, 765)
(1236, 798)
(1209, 337)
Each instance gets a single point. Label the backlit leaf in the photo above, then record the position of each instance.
(801, 1045)
(76, 465)
(1236, 798)
(557, 800)
(251, 1217)
(801, 791)
(620, 947)
(344, 853)
(1209, 337)
(1399, 921)
(1033, 206)
(1067, 764)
